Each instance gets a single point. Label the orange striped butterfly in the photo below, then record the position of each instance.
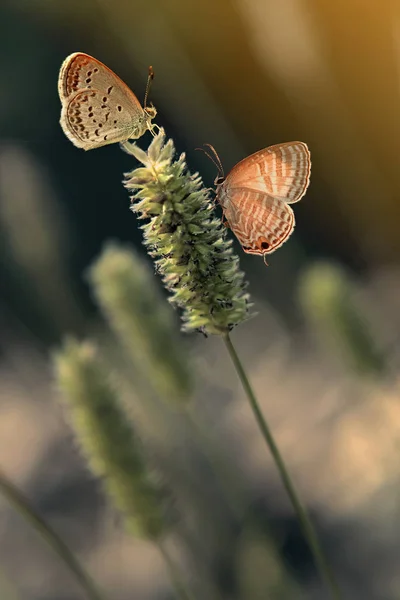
(256, 195)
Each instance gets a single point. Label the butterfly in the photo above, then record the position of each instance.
(256, 195)
(98, 108)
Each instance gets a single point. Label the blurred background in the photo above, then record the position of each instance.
(323, 352)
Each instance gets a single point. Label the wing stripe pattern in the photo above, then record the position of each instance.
(256, 194)
(261, 222)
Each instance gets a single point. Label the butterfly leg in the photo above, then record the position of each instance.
(224, 221)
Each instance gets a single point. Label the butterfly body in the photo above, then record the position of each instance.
(256, 194)
(98, 108)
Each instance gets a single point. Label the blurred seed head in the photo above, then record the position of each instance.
(32, 222)
(328, 299)
(127, 293)
(108, 439)
(35, 234)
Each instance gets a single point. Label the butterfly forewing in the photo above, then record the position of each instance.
(80, 71)
(282, 171)
(261, 222)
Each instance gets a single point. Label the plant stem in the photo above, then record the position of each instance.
(304, 520)
(181, 589)
(22, 505)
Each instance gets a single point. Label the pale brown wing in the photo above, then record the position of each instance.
(91, 119)
(282, 171)
(260, 222)
(80, 71)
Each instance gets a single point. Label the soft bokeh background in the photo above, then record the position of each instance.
(240, 75)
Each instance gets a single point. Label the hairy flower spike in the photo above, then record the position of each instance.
(107, 438)
(126, 290)
(189, 245)
(327, 295)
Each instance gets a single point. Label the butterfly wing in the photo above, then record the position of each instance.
(261, 222)
(91, 119)
(80, 71)
(98, 108)
(281, 171)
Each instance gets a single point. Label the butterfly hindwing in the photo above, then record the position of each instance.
(91, 120)
(261, 222)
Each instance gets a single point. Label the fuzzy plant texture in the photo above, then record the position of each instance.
(108, 440)
(127, 292)
(329, 300)
(187, 241)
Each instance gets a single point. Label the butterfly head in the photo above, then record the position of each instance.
(220, 191)
(220, 178)
(149, 114)
(218, 181)
(150, 111)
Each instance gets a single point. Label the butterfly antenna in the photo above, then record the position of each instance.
(218, 160)
(210, 157)
(150, 78)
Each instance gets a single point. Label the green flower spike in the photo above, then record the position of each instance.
(125, 288)
(107, 438)
(189, 245)
(328, 297)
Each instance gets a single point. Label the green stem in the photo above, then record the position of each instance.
(22, 505)
(182, 592)
(304, 520)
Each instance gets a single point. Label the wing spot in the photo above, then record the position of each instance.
(119, 108)
(95, 70)
(88, 80)
(263, 244)
(109, 89)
